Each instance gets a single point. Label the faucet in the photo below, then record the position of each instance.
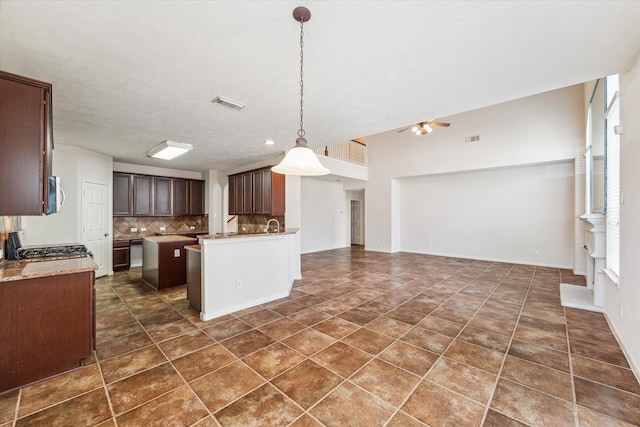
(277, 225)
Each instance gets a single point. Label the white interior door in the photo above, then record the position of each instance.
(95, 223)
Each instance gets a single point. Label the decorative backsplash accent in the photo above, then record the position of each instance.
(122, 225)
(256, 223)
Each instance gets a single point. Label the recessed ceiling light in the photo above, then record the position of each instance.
(269, 142)
(229, 103)
(168, 150)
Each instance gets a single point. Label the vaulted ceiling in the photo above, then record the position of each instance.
(129, 74)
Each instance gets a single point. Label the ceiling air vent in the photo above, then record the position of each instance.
(226, 102)
(474, 138)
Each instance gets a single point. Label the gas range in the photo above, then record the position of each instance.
(49, 252)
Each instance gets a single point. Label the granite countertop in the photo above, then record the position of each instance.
(170, 239)
(232, 235)
(196, 248)
(180, 233)
(20, 270)
(160, 233)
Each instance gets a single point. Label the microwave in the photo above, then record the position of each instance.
(55, 196)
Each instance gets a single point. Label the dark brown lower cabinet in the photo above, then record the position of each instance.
(164, 262)
(48, 326)
(121, 255)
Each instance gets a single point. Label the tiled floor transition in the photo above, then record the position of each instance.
(364, 339)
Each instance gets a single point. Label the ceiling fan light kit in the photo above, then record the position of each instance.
(425, 127)
(301, 160)
(422, 129)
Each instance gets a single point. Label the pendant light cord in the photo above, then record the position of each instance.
(301, 131)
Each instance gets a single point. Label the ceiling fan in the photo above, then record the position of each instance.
(425, 127)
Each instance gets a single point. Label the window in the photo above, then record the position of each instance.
(612, 173)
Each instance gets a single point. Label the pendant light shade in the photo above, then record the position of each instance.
(301, 160)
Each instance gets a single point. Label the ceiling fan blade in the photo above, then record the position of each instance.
(402, 130)
(446, 125)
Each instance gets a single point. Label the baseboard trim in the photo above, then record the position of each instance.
(635, 368)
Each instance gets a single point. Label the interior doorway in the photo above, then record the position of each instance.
(356, 223)
(95, 224)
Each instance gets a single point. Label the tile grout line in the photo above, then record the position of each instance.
(106, 392)
(506, 353)
(346, 379)
(441, 355)
(573, 385)
(533, 289)
(17, 408)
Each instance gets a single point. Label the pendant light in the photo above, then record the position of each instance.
(301, 160)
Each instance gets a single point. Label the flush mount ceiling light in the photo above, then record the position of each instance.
(228, 103)
(168, 150)
(301, 160)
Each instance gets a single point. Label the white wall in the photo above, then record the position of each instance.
(540, 129)
(217, 195)
(74, 165)
(521, 215)
(323, 208)
(622, 304)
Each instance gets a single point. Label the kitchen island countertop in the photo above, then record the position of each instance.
(235, 234)
(170, 239)
(20, 270)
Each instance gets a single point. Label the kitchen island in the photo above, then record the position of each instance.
(164, 260)
(244, 270)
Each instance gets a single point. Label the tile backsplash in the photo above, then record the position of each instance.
(256, 223)
(122, 225)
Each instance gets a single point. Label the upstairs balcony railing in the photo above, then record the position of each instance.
(352, 151)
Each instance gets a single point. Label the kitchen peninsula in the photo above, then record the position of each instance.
(244, 270)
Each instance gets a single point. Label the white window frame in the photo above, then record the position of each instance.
(613, 193)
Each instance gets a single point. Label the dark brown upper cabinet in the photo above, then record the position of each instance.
(180, 197)
(277, 194)
(144, 195)
(265, 190)
(247, 193)
(162, 196)
(232, 195)
(256, 184)
(196, 197)
(26, 143)
(258, 191)
(122, 192)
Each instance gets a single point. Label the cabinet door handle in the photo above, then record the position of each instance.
(106, 234)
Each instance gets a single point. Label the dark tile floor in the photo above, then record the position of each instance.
(364, 339)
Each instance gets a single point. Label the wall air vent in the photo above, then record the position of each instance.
(226, 102)
(474, 138)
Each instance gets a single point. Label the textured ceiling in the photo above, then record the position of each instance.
(129, 74)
